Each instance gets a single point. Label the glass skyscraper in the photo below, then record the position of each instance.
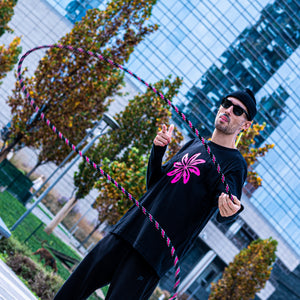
(218, 46)
(76, 9)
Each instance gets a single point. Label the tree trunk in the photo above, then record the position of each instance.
(6, 150)
(60, 215)
(90, 234)
(33, 169)
(30, 124)
(3, 155)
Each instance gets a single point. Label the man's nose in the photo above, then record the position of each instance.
(228, 110)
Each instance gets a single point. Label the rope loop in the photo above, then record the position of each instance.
(95, 166)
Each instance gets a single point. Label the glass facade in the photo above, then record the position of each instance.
(194, 255)
(218, 47)
(74, 10)
(200, 288)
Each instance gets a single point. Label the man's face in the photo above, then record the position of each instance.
(227, 122)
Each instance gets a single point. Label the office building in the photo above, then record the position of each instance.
(218, 47)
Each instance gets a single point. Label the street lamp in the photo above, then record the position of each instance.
(109, 122)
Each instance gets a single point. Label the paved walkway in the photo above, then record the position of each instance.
(11, 287)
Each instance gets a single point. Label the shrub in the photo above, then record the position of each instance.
(46, 285)
(12, 246)
(23, 266)
(41, 282)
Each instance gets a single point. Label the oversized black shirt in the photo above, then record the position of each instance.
(182, 195)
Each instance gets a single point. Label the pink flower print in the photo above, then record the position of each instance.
(185, 168)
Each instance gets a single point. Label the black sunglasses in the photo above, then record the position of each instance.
(237, 110)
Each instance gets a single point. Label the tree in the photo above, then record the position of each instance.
(130, 169)
(111, 203)
(138, 126)
(76, 89)
(121, 29)
(251, 153)
(6, 13)
(8, 55)
(248, 273)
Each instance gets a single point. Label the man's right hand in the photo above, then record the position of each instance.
(163, 138)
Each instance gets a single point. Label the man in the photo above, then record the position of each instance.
(182, 195)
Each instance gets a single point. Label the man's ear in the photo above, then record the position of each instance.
(246, 125)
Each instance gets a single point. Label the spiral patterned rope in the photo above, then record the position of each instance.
(95, 166)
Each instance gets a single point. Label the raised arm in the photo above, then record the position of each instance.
(162, 139)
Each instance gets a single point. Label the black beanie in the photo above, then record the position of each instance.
(247, 97)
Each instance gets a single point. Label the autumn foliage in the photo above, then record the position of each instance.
(8, 55)
(111, 203)
(248, 273)
(251, 153)
(6, 13)
(139, 123)
(124, 153)
(75, 88)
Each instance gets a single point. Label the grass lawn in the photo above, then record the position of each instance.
(11, 210)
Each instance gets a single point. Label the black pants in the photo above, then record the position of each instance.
(112, 261)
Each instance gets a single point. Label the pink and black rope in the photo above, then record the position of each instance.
(95, 166)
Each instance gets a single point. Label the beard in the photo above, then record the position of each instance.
(225, 128)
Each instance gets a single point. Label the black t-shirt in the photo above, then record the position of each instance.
(182, 195)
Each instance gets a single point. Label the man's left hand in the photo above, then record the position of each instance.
(227, 207)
